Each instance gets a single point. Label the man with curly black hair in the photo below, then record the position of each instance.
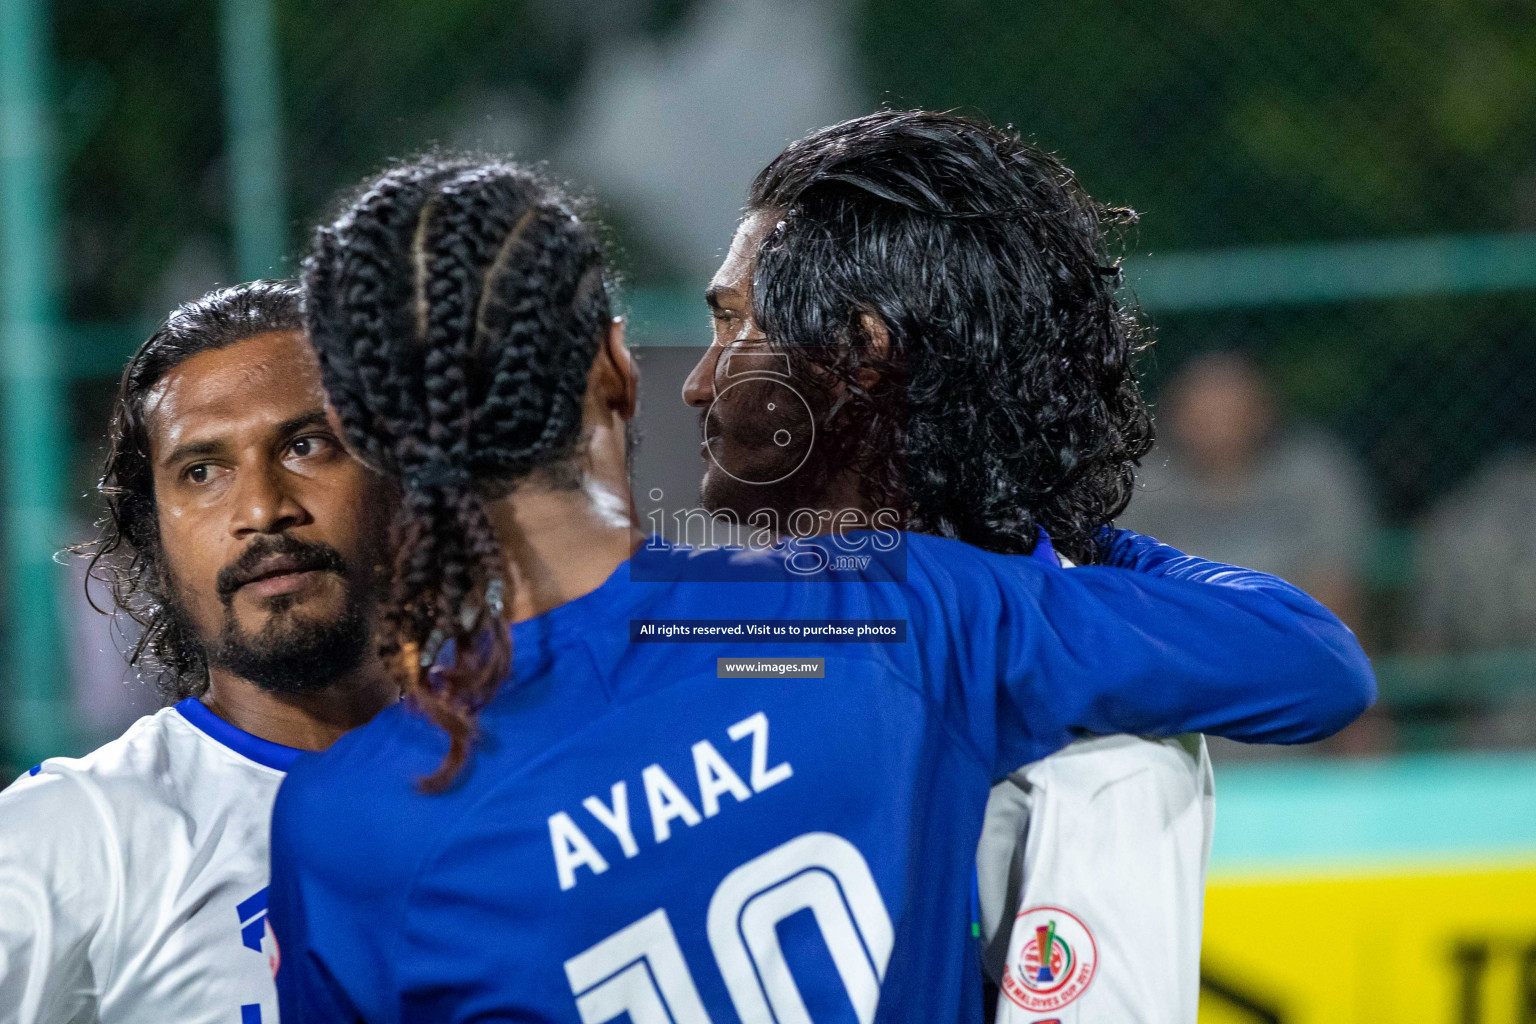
(919, 322)
(243, 539)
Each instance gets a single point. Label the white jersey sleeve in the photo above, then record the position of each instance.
(60, 880)
(133, 881)
(1091, 883)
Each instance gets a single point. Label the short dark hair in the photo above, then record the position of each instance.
(457, 306)
(1009, 347)
(126, 553)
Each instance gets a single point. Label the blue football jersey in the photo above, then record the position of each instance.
(639, 839)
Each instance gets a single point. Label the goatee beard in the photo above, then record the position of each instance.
(294, 656)
(290, 654)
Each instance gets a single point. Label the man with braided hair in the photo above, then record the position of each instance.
(243, 540)
(567, 822)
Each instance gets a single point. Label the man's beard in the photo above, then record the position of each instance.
(748, 472)
(721, 493)
(290, 654)
(301, 656)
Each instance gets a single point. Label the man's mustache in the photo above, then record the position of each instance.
(290, 555)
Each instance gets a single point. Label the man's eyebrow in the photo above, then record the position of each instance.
(313, 418)
(192, 449)
(213, 446)
(716, 295)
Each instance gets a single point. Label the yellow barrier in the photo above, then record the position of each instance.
(1449, 944)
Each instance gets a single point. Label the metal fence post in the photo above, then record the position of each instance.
(253, 123)
(32, 425)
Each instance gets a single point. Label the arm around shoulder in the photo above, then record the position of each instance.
(1323, 668)
(1171, 645)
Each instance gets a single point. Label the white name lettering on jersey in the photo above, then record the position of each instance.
(666, 802)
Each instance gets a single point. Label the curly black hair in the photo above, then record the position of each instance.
(126, 554)
(1005, 399)
(456, 306)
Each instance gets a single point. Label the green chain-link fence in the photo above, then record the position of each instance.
(1342, 191)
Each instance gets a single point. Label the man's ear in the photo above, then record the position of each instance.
(625, 393)
(879, 343)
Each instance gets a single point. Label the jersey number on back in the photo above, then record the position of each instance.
(639, 969)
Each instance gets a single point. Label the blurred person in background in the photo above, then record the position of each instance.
(1476, 562)
(1234, 481)
(1475, 574)
(243, 542)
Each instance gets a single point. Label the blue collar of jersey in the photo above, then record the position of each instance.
(254, 748)
(1045, 551)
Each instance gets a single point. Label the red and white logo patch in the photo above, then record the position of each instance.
(1051, 959)
(269, 947)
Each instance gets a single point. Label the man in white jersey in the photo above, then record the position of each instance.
(245, 539)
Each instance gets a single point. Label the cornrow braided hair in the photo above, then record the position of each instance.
(456, 306)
